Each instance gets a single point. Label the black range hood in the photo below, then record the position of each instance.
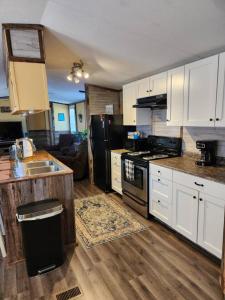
(153, 102)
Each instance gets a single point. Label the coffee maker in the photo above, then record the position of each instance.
(208, 153)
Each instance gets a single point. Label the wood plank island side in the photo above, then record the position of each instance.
(17, 193)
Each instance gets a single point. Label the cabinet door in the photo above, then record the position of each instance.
(130, 93)
(210, 223)
(220, 105)
(185, 211)
(144, 88)
(200, 90)
(175, 96)
(158, 84)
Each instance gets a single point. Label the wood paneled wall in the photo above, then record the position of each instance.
(99, 97)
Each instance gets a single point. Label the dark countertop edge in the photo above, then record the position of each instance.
(207, 177)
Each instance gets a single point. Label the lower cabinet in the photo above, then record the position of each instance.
(210, 223)
(185, 211)
(116, 172)
(195, 211)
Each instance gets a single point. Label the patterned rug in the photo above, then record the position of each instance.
(100, 220)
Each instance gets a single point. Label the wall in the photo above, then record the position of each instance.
(81, 109)
(4, 117)
(61, 125)
(99, 97)
(188, 134)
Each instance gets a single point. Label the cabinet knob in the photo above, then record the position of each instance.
(158, 171)
(194, 197)
(200, 199)
(167, 120)
(150, 91)
(217, 119)
(158, 180)
(147, 91)
(158, 201)
(210, 119)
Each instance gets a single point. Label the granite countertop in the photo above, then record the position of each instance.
(6, 168)
(187, 165)
(120, 151)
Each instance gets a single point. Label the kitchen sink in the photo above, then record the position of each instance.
(36, 168)
(39, 163)
(42, 170)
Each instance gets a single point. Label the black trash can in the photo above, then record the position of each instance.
(42, 235)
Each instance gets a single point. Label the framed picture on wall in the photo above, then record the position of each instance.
(61, 117)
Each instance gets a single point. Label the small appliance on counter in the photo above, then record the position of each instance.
(208, 152)
(27, 147)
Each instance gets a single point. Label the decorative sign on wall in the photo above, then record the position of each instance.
(61, 117)
(109, 109)
(5, 109)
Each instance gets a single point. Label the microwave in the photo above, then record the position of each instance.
(135, 145)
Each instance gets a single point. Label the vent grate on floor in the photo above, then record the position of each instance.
(69, 294)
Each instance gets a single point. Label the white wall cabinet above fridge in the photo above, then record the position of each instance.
(134, 116)
(28, 90)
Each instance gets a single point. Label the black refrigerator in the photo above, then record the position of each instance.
(106, 134)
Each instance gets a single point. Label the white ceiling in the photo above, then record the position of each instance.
(118, 40)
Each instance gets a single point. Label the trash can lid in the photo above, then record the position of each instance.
(39, 210)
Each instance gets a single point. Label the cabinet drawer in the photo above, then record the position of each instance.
(200, 184)
(161, 172)
(162, 210)
(116, 159)
(160, 188)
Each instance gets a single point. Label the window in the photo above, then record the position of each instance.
(73, 123)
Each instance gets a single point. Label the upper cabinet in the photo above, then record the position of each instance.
(158, 84)
(134, 116)
(175, 96)
(220, 105)
(152, 86)
(28, 91)
(25, 67)
(200, 91)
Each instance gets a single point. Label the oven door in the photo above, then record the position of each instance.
(139, 186)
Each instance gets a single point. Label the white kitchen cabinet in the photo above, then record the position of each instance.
(158, 84)
(144, 87)
(116, 172)
(210, 223)
(220, 104)
(134, 116)
(185, 211)
(175, 96)
(200, 91)
(28, 90)
(161, 199)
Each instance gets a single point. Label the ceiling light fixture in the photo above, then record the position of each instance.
(77, 72)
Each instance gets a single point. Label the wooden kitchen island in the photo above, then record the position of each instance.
(18, 191)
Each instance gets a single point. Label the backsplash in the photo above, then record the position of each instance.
(188, 134)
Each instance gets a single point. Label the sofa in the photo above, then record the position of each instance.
(72, 150)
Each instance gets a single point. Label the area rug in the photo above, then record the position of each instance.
(101, 219)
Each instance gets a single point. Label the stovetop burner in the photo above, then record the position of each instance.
(155, 156)
(139, 153)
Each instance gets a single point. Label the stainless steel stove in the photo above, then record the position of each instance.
(135, 170)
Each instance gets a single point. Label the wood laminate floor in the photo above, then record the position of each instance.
(153, 264)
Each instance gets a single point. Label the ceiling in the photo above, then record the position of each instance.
(119, 40)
